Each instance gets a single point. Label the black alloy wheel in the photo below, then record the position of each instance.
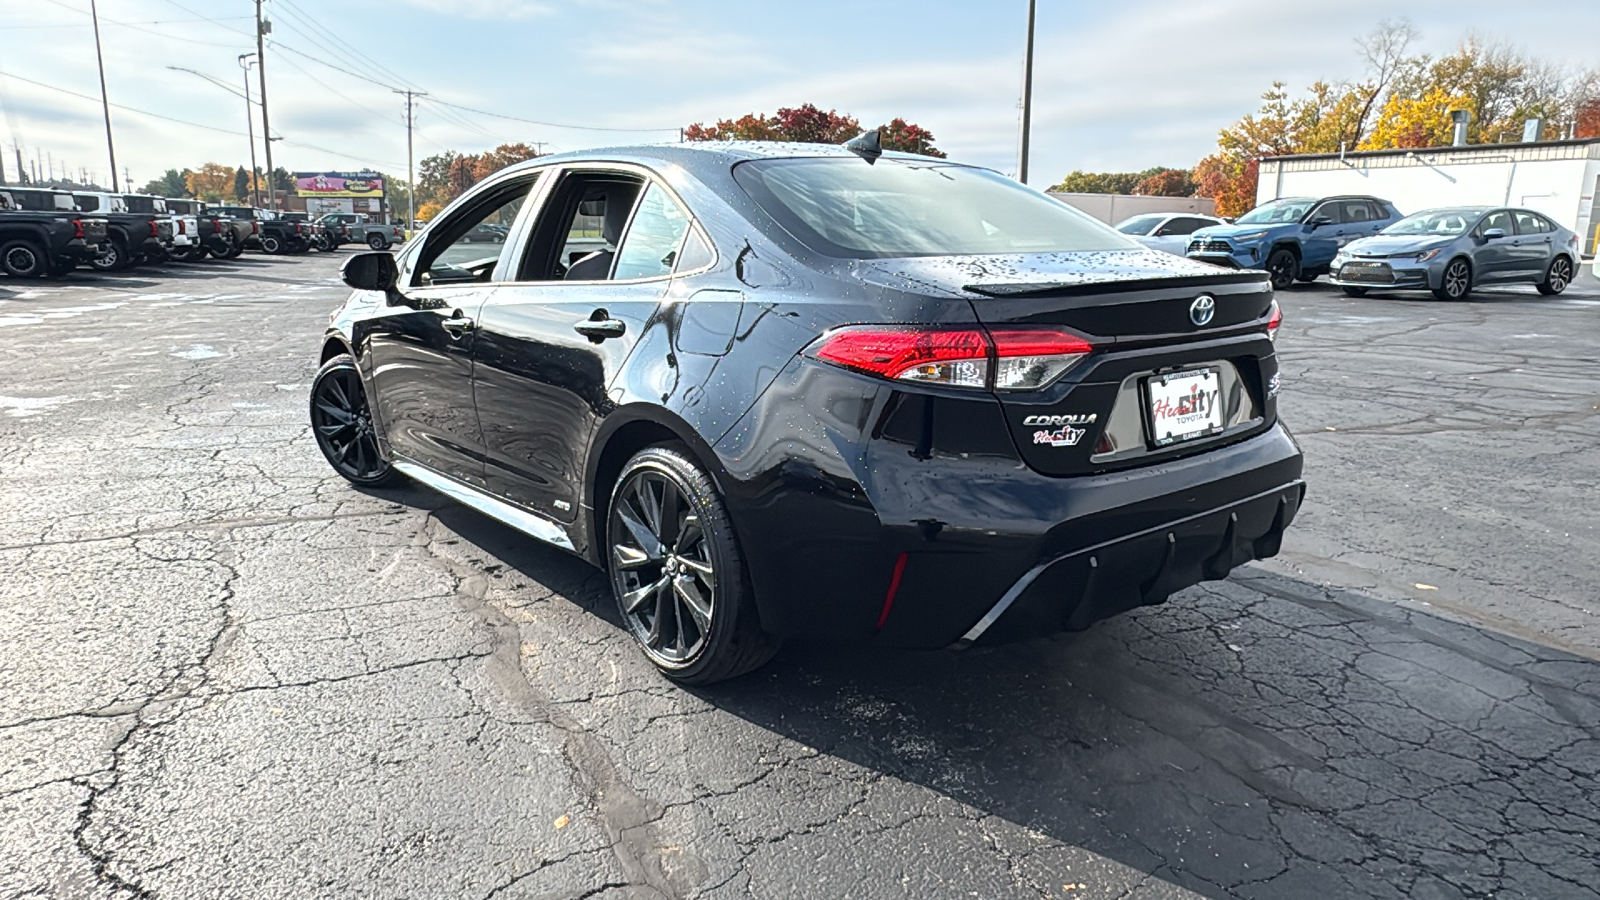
(377, 242)
(342, 423)
(114, 257)
(1456, 283)
(23, 259)
(1355, 291)
(677, 573)
(1283, 268)
(1556, 277)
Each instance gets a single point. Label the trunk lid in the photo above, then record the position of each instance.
(94, 230)
(1167, 333)
(1109, 297)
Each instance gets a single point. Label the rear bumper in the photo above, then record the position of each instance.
(80, 251)
(825, 524)
(1075, 590)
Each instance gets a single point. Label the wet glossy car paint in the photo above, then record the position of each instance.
(866, 509)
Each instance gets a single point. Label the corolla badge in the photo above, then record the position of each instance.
(1202, 309)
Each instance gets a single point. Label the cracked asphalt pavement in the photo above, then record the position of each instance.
(226, 673)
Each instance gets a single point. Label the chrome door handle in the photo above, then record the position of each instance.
(600, 326)
(457, 325)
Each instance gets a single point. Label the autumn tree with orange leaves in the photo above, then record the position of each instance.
(809, 124)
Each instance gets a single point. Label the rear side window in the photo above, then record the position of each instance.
(1528, 223)
(1357, 211)
(1185, 225)
(845, 208)
(650, 248)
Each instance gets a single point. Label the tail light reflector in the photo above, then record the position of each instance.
(1274, 321)
(1006, 360)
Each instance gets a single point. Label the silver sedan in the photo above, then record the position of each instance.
(1452, 251)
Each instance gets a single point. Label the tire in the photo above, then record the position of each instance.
(1283, 267)
(342, 424)
(116, 257)
(1556, 277)
(377, 242)
(692, 610)
(1456, 282)
(1355, 291)
(191, 253)
(23, 259)
(234, 252)
(62, 268)
(270, 244)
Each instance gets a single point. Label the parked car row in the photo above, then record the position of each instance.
(1363, 243)
(47, 232)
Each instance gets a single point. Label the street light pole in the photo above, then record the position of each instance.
(105, 104)
(245, 62)
(1027, 99)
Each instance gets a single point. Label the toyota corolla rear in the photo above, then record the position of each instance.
(1024, 441)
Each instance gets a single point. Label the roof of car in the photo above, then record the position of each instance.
(715, 153)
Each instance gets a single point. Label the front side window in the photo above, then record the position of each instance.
(1500, 219)
(650, 248)
(466, 247)
(1333, 212)
(845, 208)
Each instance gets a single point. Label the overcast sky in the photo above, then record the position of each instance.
(1118, 86)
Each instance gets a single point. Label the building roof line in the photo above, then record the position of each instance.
(1419, 151)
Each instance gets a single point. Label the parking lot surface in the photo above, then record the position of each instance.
(226, 673)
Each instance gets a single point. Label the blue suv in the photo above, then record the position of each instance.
(1292, 238)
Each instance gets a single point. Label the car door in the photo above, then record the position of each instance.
(1494, 259)
(550, 346)
(1319, 242)
(1361, 219)
(418, 354)
(1534, 244)
(1172, 235)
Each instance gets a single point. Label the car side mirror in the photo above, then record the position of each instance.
(1494, 234)
(1320, 221)
(373, 271)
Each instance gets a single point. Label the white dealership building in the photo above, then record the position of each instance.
(1558, 178)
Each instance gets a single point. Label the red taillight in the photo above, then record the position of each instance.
(183, 227)
(298, 229)
(154, 231)
(77, 228)
(1275, 321)
(255, 227)
(216, 226)
(1009, 359)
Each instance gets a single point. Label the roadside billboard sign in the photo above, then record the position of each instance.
(338, 184)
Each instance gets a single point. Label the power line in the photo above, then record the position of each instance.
(483, 112)
(133, 27)
(375, 66)
(144, 112)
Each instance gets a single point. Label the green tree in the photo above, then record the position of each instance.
(172, 183)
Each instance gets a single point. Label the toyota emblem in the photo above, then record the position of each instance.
(1202, 309)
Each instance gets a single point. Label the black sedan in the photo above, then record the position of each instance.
(808, 391)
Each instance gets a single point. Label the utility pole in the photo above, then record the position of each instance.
(411, 172)
(245, 62)
(266, 124)
(1027, 99)
(105, 104)
(22, 170)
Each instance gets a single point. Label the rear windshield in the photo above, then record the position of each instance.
(843, 207)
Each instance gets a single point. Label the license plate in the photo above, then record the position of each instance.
(1183, 406)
